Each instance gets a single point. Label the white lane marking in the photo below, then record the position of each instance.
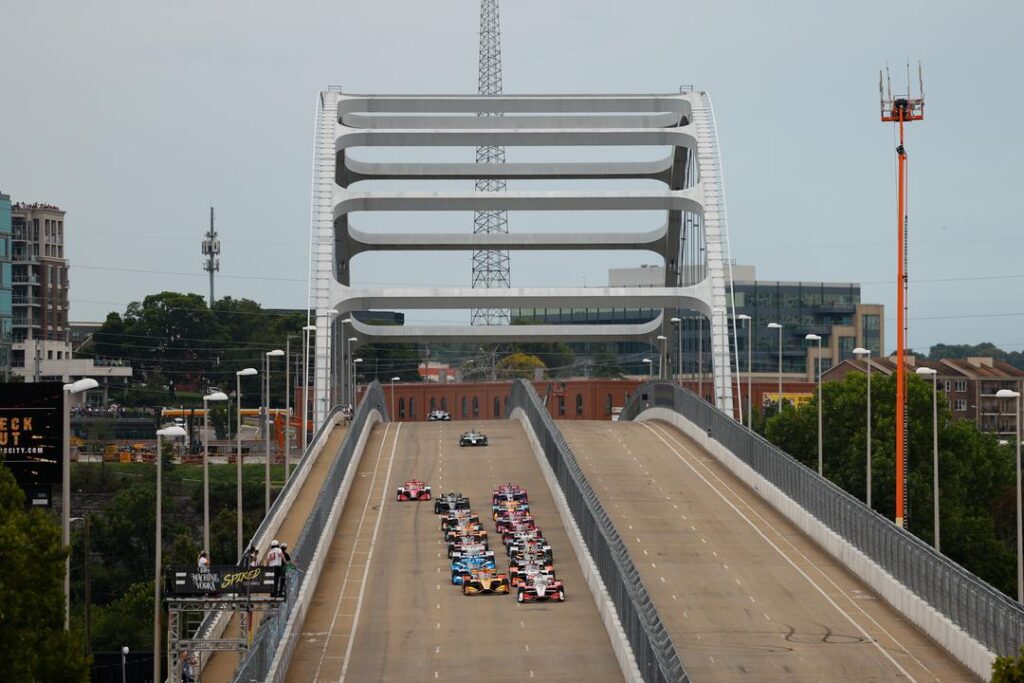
(874, 641)
(369, 557)
(351, 557)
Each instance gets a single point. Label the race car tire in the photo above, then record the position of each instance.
(465, 589)
(519, 596)
(561, 596)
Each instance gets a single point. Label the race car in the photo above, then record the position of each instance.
(527, 541)
(515, 521)
(439, 416)
(459, 518)
(516, 551)
(509, 491)
(472, 438)
(462, 565)
(468, 545)
(507, 506)
(414, 489)
(524, 572)
(449, 502)
(541, 588)
(485, 581)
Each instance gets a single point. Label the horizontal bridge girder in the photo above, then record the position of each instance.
(513, 104)
(391, 334)
(472, 121)
(596, 137)
(353, 170)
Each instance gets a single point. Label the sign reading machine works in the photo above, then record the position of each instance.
(221, 580)
(32, 431)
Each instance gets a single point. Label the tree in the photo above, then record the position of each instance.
(519, 365)
(32, 636)
(1009, 669)
(976, 481)
(606, 362)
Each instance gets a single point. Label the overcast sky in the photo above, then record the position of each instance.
(135, 116)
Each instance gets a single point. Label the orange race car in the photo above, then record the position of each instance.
(485, 581)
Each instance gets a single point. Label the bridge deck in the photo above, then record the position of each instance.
(387, 578)
(222, 665)
(744, 595)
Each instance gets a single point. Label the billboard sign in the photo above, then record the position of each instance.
(32, 431)
(220, 580)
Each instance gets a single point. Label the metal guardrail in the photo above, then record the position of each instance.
(992, 618)
(656, 656)
(256, 662)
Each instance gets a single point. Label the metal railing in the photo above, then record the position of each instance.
(256, 662)
(992, 618)
(656, 656)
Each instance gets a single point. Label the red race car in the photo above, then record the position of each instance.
(541, 587)
(413, 490)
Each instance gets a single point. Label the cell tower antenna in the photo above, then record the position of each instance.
(901, 110)
(211, 250)
(490, 266)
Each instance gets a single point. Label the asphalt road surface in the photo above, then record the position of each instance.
(743, 593)
(385, 608)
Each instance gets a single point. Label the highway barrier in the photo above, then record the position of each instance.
(653, 651)
(964, 614)
(275, 638)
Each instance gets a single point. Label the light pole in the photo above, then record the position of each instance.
(72, 388)
(287, 405)
(750, 395)
(331, 376)
(246, 372)
(931, 372)
(700, 356)
(355, 385)
(215, 396)
(777, 326)
(276, 353)
(661, 355)
(650, 368)
(1010, 393)
(861, 351)
(393, 413)
(307, 332)
(817, 338)
(347, 364)
(124, 656)
(352, 378)
(679, 342)
(170, 432)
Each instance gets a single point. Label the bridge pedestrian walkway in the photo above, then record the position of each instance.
(222, 665)
(385, 609)
(743, 593)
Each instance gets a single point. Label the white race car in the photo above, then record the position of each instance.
(439, 416)
(472, 438)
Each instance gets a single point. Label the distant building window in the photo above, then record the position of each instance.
(949, 385)
(465, 406)
(433, 404)
(497, 407)
(401, 407)
(961, 385)
(412, 408)
(561, 405)
(579, 404)
(960, 405)
(444, 403)
(476, 407)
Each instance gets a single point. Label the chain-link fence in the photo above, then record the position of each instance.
(655, 654)
(256, 662)
(986, 614)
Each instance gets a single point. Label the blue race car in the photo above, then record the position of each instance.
(463, 565)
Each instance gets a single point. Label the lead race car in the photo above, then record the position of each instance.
(439, 416)
(449, 502)
(414, 489)
(472, 438)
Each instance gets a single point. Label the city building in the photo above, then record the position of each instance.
(968, 384)
(6, 309)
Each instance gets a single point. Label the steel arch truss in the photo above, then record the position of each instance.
(692, 202)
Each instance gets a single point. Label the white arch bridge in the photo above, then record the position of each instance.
(692, 240)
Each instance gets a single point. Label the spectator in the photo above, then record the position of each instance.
(203, 562)
(275, 561)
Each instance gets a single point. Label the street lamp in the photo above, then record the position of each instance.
(650, 368)
(777, 326)
(750, 394)
(679, 342)
(215, 396)
(72, 388)
(817, 338)
(352, 376)
(287, 405)
(355, 385)
(124, 656)
(931, 372)
(1010, 393)
(170, 432)
(307, 331)
(247, 372)
(861, 351)
(661, 355)
(393, 380)
(276, 353)
(347, 365)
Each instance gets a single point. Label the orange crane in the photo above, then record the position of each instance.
(901, 110)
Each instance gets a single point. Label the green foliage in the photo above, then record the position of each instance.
(127, 620)
(32, 636)
(976, 483)
(1009, 669)
(939, 351)
(223, 419)
(606, 362)
(519, 365)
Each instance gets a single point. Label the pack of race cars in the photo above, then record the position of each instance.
(531, 570)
